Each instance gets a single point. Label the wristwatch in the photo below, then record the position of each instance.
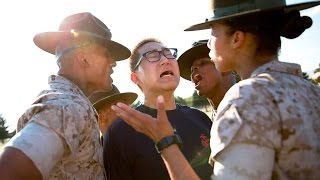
(167, 141)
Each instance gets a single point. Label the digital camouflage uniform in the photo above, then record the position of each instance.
(64, 109)
(278, 109)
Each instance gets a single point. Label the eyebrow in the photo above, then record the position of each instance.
(156, 49)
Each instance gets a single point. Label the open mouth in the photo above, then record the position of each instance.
(196, 79)
(166, 73)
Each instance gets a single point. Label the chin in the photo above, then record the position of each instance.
(174, 83)
(200, 93)
(170, 87)
(222, 67)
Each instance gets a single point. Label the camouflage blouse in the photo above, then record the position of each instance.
(65, 110)
(275, 108)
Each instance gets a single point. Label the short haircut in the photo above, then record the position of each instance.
(135, 55)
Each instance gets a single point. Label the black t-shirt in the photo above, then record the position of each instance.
(129, 154)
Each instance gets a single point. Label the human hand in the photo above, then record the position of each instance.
(155, 128)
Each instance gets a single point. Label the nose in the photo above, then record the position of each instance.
(193, 68)
(110, 60)
(209, 43)
(164, 60)
(113, 64)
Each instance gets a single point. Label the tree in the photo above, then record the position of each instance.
(306, 77)
(180, 100)
(198, 101)
(4, 134)
(317, 69)
(236, 76)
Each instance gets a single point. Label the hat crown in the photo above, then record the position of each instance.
(229, 7)
(86, 23)
(200, 42)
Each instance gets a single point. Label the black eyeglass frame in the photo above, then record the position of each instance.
(144, 55)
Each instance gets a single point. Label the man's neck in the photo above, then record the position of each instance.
(151, 101)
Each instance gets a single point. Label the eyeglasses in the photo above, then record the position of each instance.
(154, 56)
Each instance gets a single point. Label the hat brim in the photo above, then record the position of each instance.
(288, 8)
(95, 97)
(126, 98)
(186, 59)
(48, 41)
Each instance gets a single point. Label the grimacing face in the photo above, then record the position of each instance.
(157, 76)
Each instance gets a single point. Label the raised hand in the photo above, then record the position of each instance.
(155, 128)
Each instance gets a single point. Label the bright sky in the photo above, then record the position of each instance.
(25, 68)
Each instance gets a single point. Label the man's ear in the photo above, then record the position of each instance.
(81, 58)
(134, 78)
(238, 39)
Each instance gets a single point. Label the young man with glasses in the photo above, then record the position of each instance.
(129, 154)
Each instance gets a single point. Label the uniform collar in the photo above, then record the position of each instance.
(277, 66)
(64, 82)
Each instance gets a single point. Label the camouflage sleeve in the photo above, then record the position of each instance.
(67, 120)
(223, 131)
(248, 115)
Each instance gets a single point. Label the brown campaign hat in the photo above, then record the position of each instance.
(78, 25)
(109, 98)
(185, 61)
(126, 98)
(227, 9)
(95, 97)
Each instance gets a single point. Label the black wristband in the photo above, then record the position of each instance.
(167, 141)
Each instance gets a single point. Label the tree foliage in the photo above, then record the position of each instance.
(236, 76)
(307, 77)
(180, 100)
(4, 133)
(198, 101)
